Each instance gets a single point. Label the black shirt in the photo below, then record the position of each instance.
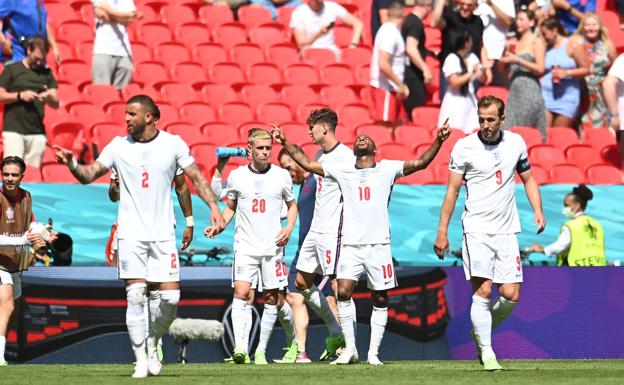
(413, 27)
(22, 117)
(456, 23)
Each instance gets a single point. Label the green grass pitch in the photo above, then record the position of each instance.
(582, 372)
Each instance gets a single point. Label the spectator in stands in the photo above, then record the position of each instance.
(112, 54)
(5, 47)
(581, 240)
(525, 104)
(592, 36)
(388, 66)
(272, 5)
(379, 15)
(25, 88)
(233, 4)
(462, 69)
(313, 23)
(570, 12)
(22, 20)
(453, 22)
(417, 73)
(497, 17)
(613, 88)
(566, 64)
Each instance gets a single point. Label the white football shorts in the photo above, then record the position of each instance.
(13, 279)
(154, 261)
(265, 272)
(375, 260)
(492, 256)
(319, 253)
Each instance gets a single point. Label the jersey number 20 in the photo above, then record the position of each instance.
(258, 206)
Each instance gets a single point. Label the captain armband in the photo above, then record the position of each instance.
(523, 165)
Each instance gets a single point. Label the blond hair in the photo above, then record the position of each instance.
(602, 35)
(258, 133)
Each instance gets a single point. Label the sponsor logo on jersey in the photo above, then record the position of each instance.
(10, 215)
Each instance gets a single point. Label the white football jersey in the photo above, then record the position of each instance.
(259, 196)
(328, 203)
(366, 193)
(146, 171)
(489, 174)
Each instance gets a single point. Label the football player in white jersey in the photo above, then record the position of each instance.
(146, 161)
(487, 161)
(256, 193)
(366, 187)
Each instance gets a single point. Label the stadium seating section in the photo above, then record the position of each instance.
(215, 75)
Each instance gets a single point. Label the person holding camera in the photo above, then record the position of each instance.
(25, 88)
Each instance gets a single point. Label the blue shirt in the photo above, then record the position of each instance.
(570, 22)
(25, 21)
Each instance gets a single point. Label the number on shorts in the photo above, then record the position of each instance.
(328, 256)
(364, 193)
(387, 270)
(280, 269)
(518, 263)
(499, 177)
(145, 180)
(258, 206)
(174, 261)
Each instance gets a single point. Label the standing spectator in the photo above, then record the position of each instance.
(566, 63)
(112, 55)
(379, 15)
(272, 5)
(525, 104)
(570, 12)
(23, 20)
(388, 65)
(497, 17)
(417, 73)
(312, 24)
(592, 36)
(26, 87)
(454, 22)
(461, 68)
(614, 97)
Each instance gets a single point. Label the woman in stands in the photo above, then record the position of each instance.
(592, 36)
(461, 68)
(566, 64)
(525, 105)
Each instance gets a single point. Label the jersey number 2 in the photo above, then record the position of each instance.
(258, 206)
(145, 180)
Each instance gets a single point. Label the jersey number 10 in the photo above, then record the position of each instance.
(364, 193)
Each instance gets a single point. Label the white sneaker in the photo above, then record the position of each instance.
(3, 363)
(374, 360)
(140, 370)
(348, 356)
(153, 364)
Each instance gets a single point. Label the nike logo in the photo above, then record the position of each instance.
(387, 282)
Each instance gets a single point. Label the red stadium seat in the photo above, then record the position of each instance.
(393, 151)
(566, 173)
(141, 53)
(66, 134)
(412, 136)
(68, 93)
(213, 16)
(354, 114)
(87, 113)
(264, 73)
(582, 155)
(57, 173)
(216, 94)
(100, 94)
(246, 54)
(32, 175)
(75, 72)
(598, 138)
(116, 111)
(229, 35)
(379, 134)
(343, 34)
(356, 56)
(226, 73)
(75, 31)
(420, 177)
(441, 171)
(208, 54)
(235, 113)
(189, 133)
(336, 95)
(561, 137)
(611, 155)
(153, 34)
(276, 113)
(298, 95)
(243, 129)
(433, 42)
(337, 74)
(426, 116)
(84, 50)
(60, 13)
(219, 133)
(283, 15)
(267, 35)
(282, 55)
(297, 133)
(255, 94)
(171, 53)
(104, 133)
(178, 94)
(191, 33)
(168, 114)
(530, 135)
(318, 57)
(254, 16)
(205, 155)
(540, 175)
(604, 174)
(197, 113)
(188, 73)
(301, 74)
(546, 155)
(174, 15)
(304, 110)
(499, 92)
(150, 72)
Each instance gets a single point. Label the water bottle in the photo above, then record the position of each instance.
(239, 152)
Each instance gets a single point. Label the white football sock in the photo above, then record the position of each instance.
(285, 316)
(269, 315)
(354, 315)
(136, 319)
(248, 323)
(501, 309)
(239, 321)
(378, 321)
(2, 347)
(345, 313)
(482, 323)
(165, 313)
(318, 303)
(153, 302)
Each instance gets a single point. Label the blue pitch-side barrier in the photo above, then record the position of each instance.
(86, 214)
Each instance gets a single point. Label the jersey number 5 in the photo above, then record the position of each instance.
(145, 180)
(258, 206)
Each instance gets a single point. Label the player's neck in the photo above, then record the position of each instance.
(365, 161)
(148, 134)
(10, 194)
(329, 143)
(259, 167)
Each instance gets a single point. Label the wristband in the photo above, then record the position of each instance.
(73, 164)
(189, 221)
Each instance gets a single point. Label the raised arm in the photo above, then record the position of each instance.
(441, 244)
(437, 16)
(85, 174)
(205, 193)
(296, 153)
(411, 166)
(184, 198)
(535, 198)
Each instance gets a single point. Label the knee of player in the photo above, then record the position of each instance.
(295, 299)
(510, 293)
(270, 297)
(171, 297)
(136, 293)
(380, 299)
(243, 293)
(7, 306)
(344, 293)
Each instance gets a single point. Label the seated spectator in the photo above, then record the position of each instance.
(272, 5)
(497, 17)
(313, 24)
(525, 104)
(592, 36)
(453, 22)
(565, 65)
(26, 87)
(462, 69)
(22, 20)
(388, 65)
(233, 4)
(613, 88)
(570, 12)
